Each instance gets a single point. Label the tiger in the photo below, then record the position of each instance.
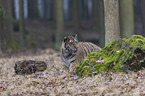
(73, 51)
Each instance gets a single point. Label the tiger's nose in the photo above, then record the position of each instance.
(66, 46)
(74, 50)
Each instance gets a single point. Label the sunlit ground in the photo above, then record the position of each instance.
(55, 80)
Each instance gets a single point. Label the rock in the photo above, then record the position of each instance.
(29, 66)
(137, 62)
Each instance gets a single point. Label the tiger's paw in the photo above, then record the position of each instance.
(72, 72)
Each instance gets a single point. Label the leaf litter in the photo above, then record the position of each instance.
(56, 80)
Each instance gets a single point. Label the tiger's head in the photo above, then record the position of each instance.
(71, 44)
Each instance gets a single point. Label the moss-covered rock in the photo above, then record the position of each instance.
(116, 56)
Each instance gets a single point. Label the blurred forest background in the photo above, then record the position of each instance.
(34, 24)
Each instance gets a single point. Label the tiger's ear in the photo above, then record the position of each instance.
(65, 39)
(75, 36)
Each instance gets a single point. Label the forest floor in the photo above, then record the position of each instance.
(56, 80)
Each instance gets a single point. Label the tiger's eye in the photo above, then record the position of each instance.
(65, 39)
(71, 42)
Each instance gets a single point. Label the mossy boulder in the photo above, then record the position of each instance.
(119, 55)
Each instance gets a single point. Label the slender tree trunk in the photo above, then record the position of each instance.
(32, 9)
(0, 38)
(126, 18)
(75, 16)
(48, 9)
(98, 20)
(1, 28)
(60, 24)
(21, 22)
(95, 15)
(41, 8)
(10, 21)
(6, 30)
(143, 15)
(69, 10)
(16, 9)
(101, 24)
(86, 9)
(54, 10)
(81, 9)
(7, 24)
(112, 29)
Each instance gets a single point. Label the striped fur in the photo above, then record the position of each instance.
(72, 51)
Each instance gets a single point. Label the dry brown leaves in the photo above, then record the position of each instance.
(56, 80)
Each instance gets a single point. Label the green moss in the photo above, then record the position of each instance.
(101, 67)
(111, 57)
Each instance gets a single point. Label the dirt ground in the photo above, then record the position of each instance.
(56, 80)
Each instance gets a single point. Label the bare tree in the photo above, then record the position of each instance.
(75, 16)
(6, 30)
(143, 15)
(54, 10)
(126, 18)
(60, 24)
(98, 20)
(21, 22)
(112, 29)
(32, 9)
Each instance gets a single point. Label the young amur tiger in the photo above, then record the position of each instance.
(72, 51)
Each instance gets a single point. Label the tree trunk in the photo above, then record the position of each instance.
(48, 9)
(54, 10)
(98, 20)
(6, 29)
(101, 24)
(60, 24)
(25, 4)
(86, 9)
(10, 21)
(16, 9)
(126, 18)
(95, 15)
(112, 30)
(75, 16)
(41, 8)
(32, 9)
(143, 15)
(1, 28)
(81, 9)
(21, 22)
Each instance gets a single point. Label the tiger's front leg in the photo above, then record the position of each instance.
(73, 67)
